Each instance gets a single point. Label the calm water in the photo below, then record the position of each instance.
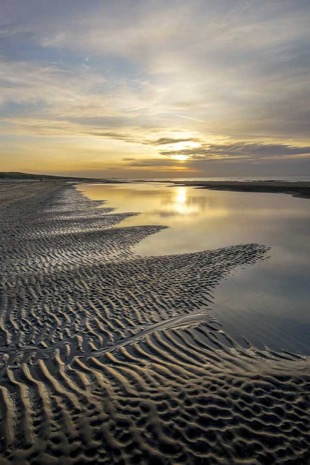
(268, 303)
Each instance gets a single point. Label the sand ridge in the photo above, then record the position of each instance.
(108, 357)
(296, 189)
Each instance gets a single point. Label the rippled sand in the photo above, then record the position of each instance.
(108, 357)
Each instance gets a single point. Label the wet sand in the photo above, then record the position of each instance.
(108, 357)
(296, 189)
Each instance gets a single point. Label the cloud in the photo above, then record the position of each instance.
(240, 150)
(211, 60)
(167, 73)
(153, 163)
(168, 141)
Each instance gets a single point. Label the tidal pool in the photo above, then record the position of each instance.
(268, 303)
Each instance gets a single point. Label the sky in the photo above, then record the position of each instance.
(155, 88)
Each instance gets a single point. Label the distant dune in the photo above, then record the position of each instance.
(25, 176)
(17, 176)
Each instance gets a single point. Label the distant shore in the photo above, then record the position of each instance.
(294, 188)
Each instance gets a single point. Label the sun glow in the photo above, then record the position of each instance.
(180, 157)
(187, 145)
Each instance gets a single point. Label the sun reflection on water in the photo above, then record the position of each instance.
(180, 203)
(181, 195)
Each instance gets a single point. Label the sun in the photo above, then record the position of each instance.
(180, 157)
(183, 146)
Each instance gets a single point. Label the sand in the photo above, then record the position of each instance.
(111, 358)
(296, 189)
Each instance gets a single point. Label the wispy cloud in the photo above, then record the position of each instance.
(240, 150)
(153, 163)
(170, 140)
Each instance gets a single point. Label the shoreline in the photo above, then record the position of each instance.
(299, 189)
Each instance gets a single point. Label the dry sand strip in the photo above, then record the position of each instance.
(111, 358)
(296, 189)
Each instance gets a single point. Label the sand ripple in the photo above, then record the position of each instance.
(111, 358)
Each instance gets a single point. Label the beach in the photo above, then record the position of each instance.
(112, 357)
